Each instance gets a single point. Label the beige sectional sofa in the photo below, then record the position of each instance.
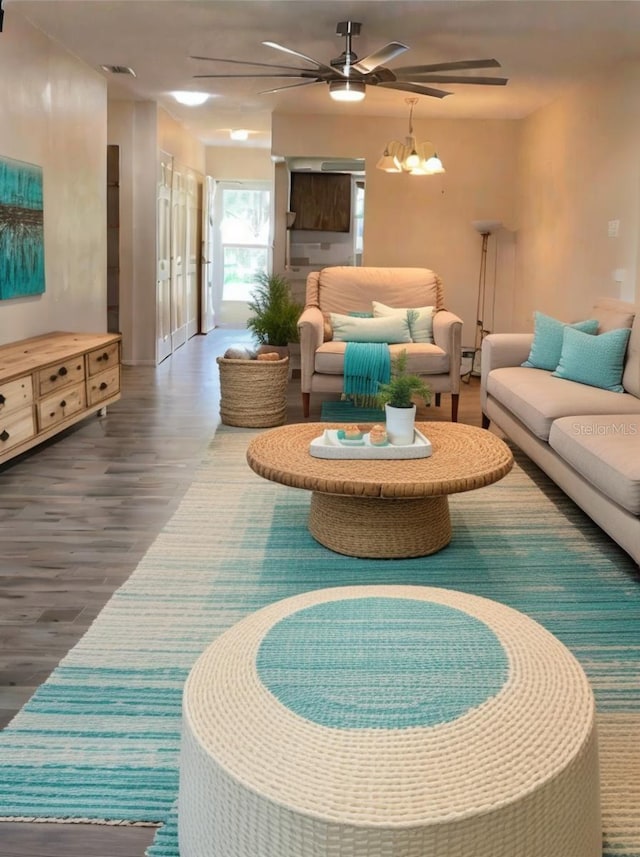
(587, 439)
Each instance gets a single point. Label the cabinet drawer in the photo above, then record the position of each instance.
(103, 358)
(59, 375)
(16, 428)
(104, 385)
(56, 408)
(15, 395)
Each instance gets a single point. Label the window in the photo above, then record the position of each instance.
(245, 232)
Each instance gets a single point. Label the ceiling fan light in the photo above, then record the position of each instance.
(347, 90)
(239, 134)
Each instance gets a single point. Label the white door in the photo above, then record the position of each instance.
(192, 255)
(207, 305)
(163, 261)
(178, 258)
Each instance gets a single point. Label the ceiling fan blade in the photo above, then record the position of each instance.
(380, 57)
(319, 65)
(413, 87)
(289, 86)
(250, 62)
(309, 74)
(459, 78)
(447, 66)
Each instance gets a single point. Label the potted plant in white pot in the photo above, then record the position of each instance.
(397, 398)
(275, 314)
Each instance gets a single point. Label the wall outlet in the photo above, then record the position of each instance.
(614, 228)
(619, 275)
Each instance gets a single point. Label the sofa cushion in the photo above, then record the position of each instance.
(420, 319)
(392, 328)
(605, 450)
(594, 360)
(537, 398)
(422, 358)
(547, 340)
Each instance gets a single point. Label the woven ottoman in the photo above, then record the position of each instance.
(370, 721)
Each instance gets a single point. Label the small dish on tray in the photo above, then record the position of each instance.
(329, 445)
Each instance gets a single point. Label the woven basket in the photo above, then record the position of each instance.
(253, 393)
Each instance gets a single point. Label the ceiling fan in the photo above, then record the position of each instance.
(348, 76)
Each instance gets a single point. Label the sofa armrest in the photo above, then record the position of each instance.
(500, 350)
(447, 334)
(311, 332)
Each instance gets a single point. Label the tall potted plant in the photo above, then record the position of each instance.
(397, 398)
(275, 314)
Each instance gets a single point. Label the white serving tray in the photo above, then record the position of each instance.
(328, 446)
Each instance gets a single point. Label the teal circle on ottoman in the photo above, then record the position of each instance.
(367, 721)
(413, 660)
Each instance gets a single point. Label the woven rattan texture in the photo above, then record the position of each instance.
(390, 529)
(253, 393)
(515, 776)
(464, 457)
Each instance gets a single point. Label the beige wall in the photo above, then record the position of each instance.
(53, 111)
(426, 220)
(235, 163)
(579, 169)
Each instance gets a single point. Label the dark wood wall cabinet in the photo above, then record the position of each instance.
(321, 201)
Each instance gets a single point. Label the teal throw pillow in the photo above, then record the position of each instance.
(420, 319)
(358, 314)
(547, 340)
(347, 328)
(594, 360)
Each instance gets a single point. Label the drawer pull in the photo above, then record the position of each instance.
(5, 435)
(53, 378)
(63, 404)
(62, 371)
(2, 399)
(104, 357)
(104, 385)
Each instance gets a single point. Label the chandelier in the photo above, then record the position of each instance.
(417, 159)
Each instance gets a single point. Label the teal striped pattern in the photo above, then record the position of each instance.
(100, 739)
(347, 412)
(381, 663)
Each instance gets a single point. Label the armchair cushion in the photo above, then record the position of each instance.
(347, 328)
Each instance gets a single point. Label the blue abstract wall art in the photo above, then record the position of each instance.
(21, 230)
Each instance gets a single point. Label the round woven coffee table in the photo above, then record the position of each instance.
(369, 721)
(382, 508)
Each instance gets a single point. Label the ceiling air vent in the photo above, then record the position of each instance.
(118, 69)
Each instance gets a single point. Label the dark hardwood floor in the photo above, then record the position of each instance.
(76, 516)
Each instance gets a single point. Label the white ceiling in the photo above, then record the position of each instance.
(544, 46)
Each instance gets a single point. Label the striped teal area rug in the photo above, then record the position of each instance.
(99, 741)
(347, 412)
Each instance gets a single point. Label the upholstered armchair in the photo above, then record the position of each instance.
(347, 290)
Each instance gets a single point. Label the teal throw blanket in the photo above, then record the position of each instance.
(366, 366)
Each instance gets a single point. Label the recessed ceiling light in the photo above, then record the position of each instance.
(191, 99)
(239, 134)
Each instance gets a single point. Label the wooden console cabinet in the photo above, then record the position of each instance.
(50, 382)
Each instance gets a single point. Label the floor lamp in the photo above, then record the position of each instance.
(486, 228)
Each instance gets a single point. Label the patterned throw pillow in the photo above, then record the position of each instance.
(420, 319)
(594, 360)
(547, 340)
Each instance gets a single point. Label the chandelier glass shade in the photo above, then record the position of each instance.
(417, 159)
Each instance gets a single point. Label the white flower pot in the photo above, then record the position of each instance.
(400, 424)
